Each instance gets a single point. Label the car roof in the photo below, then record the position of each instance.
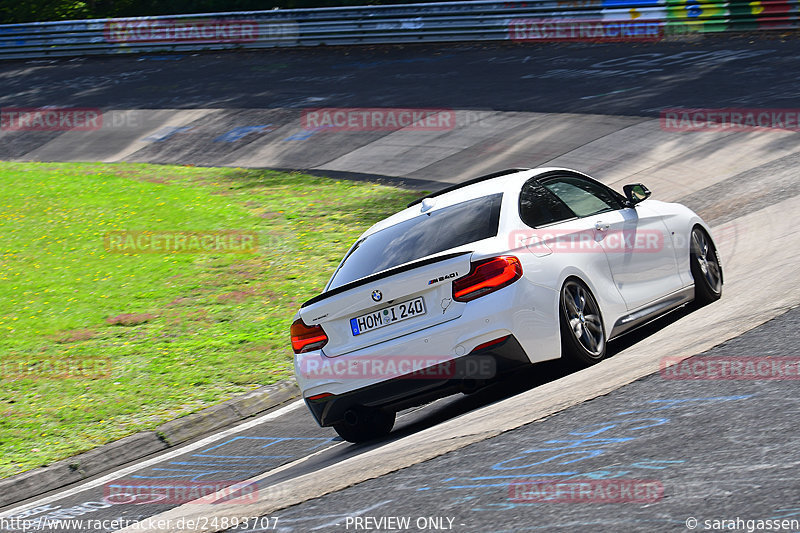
(467, 183)
(501, 181)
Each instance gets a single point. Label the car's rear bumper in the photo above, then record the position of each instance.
(462, 374)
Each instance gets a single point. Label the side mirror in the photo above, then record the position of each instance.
(635, 193)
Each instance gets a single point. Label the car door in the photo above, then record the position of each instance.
(636, 242)
(558, 230)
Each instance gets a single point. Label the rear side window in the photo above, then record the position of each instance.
(421, 236)
(539, 207)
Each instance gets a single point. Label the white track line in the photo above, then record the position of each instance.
(154, 460)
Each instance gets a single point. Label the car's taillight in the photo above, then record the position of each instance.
(489, 344)
(307, 338)
(319, 396)
(487, 276)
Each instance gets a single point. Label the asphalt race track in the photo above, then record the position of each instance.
(512, 106)
(608, 79)
(719, 449)
(702, 441)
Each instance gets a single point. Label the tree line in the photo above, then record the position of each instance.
(16, 11)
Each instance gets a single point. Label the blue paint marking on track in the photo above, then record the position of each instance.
(589, 440)
(274, 440)
(165, 133)
(479, 478)
(237, 134)
(199, 474)
(236, 466)
(306, 134)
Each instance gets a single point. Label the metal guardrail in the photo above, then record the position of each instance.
(535, 20)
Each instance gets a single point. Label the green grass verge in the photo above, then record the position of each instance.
(180, 331)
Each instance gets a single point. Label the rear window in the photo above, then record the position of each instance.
(420, 237)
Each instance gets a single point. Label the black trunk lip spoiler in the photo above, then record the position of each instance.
(381, 275)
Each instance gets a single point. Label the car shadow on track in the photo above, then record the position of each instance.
(417, 419)
(524, 380)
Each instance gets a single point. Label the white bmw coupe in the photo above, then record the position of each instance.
(470, 282)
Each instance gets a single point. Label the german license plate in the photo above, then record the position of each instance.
(386, 316)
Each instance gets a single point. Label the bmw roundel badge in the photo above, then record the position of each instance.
(377, 295)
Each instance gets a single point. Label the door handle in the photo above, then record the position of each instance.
(600, 226)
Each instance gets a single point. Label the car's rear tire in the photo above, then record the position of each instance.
(706, 268)
(363, 424)
(583, 337)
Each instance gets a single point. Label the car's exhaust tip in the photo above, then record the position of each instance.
(351, 417)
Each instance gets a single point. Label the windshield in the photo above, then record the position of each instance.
(420, 237)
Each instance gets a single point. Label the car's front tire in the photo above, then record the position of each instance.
(583, 337)
(362, 425)
(706, 268)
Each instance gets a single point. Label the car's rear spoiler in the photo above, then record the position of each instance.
(381, 275)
